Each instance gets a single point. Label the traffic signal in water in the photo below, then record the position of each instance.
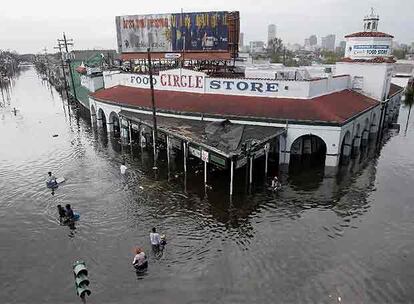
(81, 279)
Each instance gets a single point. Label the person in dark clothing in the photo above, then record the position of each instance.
(62, 212)
(69, 212)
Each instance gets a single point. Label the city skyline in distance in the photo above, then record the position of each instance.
(25, 27)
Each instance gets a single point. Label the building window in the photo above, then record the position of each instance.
(369, 26)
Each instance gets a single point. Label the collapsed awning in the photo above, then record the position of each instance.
(222, 137)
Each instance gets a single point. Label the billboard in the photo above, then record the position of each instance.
(202, 31)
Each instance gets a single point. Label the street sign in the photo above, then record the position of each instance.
(172, 55)
(195, 152)
(204, 156)
(259, 153)
(241, 162)
(219, 161)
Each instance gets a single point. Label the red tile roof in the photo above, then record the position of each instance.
(369, 34)
(334, 108)
(394, 89)
(374, 60)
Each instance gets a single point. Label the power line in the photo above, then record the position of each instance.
(65, 43)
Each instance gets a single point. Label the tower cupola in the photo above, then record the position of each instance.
(371, 22)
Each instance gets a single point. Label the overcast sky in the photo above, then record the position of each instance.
(30, 25)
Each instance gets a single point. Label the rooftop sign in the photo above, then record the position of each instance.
(200, 31)
(184, 80)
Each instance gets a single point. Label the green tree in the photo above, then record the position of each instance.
(275, 50)
(400, 53)
(330, 57)
(408, 102)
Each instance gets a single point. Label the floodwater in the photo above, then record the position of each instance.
(320, 240)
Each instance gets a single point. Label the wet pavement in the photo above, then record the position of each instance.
(321, 239)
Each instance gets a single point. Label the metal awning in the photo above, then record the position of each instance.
(221, 137)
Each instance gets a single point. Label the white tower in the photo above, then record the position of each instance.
(368, 59)
(370, 43)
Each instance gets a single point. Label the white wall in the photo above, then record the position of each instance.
(400, 81)
(92, 83)
(352, 125)
(331, 84)
(191, 81)
(330, 135)
(375, 76)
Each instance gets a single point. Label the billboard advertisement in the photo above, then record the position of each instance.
(206, 31)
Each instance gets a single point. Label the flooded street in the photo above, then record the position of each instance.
(320, 240)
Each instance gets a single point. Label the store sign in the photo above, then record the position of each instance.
(141, 81)
(371, 50)
(219, 161)
(242, 86)
(183, 80)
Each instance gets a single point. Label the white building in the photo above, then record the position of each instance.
(257, 46)
(241, 41)
(330, 116)
(328, 43)
(271, 32)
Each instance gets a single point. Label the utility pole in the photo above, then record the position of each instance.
(68, 42)
(154, 114)
(59, 47)
(47, 64)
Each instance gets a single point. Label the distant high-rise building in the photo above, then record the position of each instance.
(328, 43)
(241, 40)
(313, 40)
(271, 32)
(341, 48)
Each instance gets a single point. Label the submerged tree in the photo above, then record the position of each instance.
(9, 62)
(408, 102)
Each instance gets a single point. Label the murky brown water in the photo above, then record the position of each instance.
(318, 239)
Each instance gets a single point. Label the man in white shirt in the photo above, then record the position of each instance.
(155, 239)
(123, 168)
(51, 180)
